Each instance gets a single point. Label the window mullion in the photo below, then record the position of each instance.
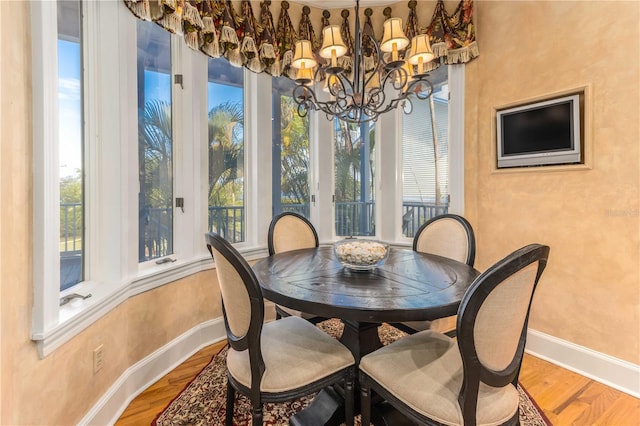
(259, 134)
(456, 138)
(46, 163)
(182, 137)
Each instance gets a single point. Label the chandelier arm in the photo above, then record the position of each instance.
(345, 86)
(357, 62)
(377, 97)
(415, 84)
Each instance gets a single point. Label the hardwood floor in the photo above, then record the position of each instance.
(565, 397)
(146, 406)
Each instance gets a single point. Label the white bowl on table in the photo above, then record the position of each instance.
(361, 255)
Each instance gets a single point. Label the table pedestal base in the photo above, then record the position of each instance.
(327, 408)
(361, 338)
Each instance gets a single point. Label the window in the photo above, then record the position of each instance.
(425, 157)
(226, 195)
(290, 152)
(101, 79)
(155, 143)
(70, 143)
(354, 196)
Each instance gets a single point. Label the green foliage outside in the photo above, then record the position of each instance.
(294, 153)
(226, 154)
(71, 212)
(347, 162)
(156, 171)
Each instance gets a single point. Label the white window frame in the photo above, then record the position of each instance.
(456, 154)
(112, 270)
(48, 316)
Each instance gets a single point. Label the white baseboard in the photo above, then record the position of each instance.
(613, 372)
(148, 370)
(621, 375)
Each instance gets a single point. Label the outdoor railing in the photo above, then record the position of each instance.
(228, 222)
(71, 227)
(355, 218)
(414, 214)
(352, 218)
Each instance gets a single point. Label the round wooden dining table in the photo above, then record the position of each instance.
(409, 286)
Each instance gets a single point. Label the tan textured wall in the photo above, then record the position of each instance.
(589, 294)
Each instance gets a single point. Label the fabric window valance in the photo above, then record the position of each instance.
(246, 33)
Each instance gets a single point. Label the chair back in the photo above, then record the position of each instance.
(492, 322)
(291, 231)
(448, 235)
(242, 302)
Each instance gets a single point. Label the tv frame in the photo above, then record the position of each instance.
(572, 156)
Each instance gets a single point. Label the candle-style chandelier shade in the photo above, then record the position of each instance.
(394, 79)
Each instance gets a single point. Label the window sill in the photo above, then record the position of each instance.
(79, 314)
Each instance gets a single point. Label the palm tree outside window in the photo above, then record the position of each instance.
(155, 143)
(290, 152)
(225, 94)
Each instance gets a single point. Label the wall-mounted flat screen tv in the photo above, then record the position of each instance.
(539, 134)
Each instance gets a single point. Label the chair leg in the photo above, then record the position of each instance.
(256, 415)
(348, 396)
(231, 398)
(365, 401)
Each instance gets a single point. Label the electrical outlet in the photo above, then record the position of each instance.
(98, 358)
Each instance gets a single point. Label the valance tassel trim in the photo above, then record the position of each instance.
(285, 63)
(210, 43)
(229, 35)
(462, 55)
(249, 47)
(255, 65)
(211, 49)
(268, 54)
(139, 8)
(439, 49)
(250, 51)
(172, 22)
(192, 16)
(235, 57)
(191, 39)
(213, 27)
(432, 65)
(276, 69)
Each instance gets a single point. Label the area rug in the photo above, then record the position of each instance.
(202, 402)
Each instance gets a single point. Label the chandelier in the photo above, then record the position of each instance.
(366, 92)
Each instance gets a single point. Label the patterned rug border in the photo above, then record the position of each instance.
(191, 413)
(185, 387)
(532, 401)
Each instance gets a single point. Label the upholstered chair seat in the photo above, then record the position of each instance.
(425, 371)
(295, 353)
(470, 379)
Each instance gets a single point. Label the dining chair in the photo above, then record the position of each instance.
(447, 235)
(472, 379)
(291, 231)
(277, 361)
